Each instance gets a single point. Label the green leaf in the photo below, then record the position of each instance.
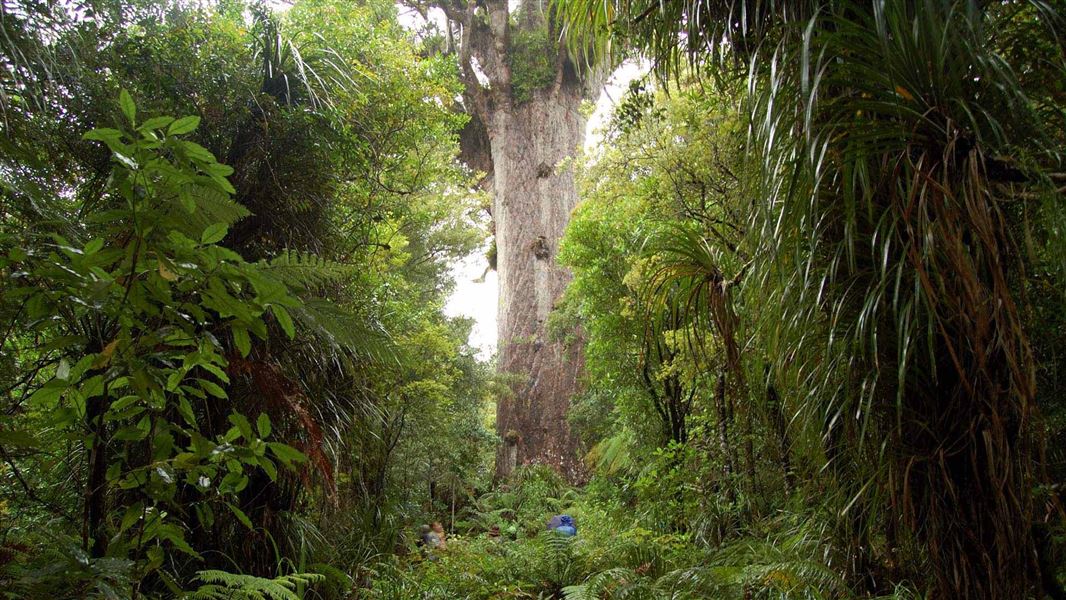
(268, 466)
(262, 425)
(124, 402)
(234, 482)
(133, 514)
(174, 380)
(186, 460)
(286, 453)
(218, 169)
(130, 434)
(242, 424)
(214, 233)
(242, 340)
(186, 412)
(212, 388)
(223, 183)
(155, 123)
(186, 200)
(21, 439)
(183, 125)
(284, 320)
(125, 102)
(103, 134)
(216, 371)
(197, 152)
(204, 514)
(114, 471)
(47, 394)
(93, 246)
(243, 518)
(175, 536)
(155, 557)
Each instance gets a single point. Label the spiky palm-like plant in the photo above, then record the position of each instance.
(900, 156)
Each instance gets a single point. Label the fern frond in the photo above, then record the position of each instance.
(306, 272)
(344, 331)
(603, 584)
(211, 206)
(221, 585)
(613, 454)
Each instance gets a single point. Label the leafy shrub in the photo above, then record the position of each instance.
(144, 310)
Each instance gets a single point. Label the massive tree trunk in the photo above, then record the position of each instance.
(533, 195)
(523, 92)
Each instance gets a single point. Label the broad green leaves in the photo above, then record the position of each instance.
(146, 261)
(165, 295)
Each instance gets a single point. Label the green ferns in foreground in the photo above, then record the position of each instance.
(615, 555)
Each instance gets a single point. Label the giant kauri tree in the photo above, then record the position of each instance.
(523, 91)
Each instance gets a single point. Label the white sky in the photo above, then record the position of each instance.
(477, 298)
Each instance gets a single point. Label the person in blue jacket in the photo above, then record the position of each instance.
(563, 524)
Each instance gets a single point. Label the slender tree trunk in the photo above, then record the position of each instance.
(749, 454)
(533, 184)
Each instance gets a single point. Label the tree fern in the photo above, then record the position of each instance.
(623, 582)
(334, 325)
(614, 454)
(599, 585)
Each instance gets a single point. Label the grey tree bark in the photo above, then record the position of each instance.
(532, 202)
(524, 142)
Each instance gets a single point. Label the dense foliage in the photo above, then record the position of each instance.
(818, 275)
(242, 366)
(863, 275)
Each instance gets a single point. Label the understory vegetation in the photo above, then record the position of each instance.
(818, 281)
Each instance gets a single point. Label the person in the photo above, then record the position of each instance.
(428, 539)
(563, 524)
(438, 529)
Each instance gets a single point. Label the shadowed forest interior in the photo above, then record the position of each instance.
(781, 314)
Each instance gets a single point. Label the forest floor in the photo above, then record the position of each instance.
(618, 551)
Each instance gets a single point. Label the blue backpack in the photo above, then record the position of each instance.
(563, 524)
